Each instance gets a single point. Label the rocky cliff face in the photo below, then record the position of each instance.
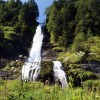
(47, 53)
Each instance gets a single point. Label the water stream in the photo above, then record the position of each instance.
(32, 66)
(59, 74)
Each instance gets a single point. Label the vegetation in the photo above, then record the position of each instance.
(17, 26)
(74, 26)
(46, 71)
(18, 90)
(75, 73)
(73, 29)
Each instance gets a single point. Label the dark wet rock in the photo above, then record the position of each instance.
(48, 54)
(94, 67)
(3, 62)
(5, 74)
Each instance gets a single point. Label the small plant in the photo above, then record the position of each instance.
(19, 90)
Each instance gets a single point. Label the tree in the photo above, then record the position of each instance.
(60, 22)
(88, 14)
(67, 19)
(18, 21)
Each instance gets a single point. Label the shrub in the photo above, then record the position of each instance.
(91, 84)
(46, 70)
(78, 74)
(71, 57)
(78, 44)
(8, 31)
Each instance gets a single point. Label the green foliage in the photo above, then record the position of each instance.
(8, 32)
(1, 33)
(82, 74)
(35, 91)
(78, 44)
(91, 45)
(94, 47)
(72, 24)
(71, 57)
(88, 12)
(76, 74)
(72, 66)
(91, 84)
(16, 22)
(46, 69)
(1, 36)
(60, 19)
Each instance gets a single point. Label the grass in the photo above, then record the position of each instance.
(18, 90)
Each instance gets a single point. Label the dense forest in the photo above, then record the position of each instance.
(18, 22)
(74, 28)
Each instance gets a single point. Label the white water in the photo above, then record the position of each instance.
(31, 68)
(35, 52)
(59, 73)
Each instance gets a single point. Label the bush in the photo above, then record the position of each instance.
(8, 31)
(78, 74)
(18, 90)
(46, 70)
(71, 57)
(94, 47)
(78, 44)
(91, 84)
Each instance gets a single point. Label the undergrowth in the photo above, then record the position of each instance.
(19, 90)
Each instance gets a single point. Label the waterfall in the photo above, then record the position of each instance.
(31, 68)
(35, 52)
(59, 74)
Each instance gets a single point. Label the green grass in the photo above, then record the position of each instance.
(17, 90)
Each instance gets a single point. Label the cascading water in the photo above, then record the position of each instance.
(35, 52)
(31, 68)
(59, 74)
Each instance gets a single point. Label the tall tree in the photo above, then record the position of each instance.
(61, 22)
(87, 17)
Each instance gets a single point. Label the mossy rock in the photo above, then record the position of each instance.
(19, 64)
(13, 63)
(46, 71)
(12, 69)
(46, 67)
(7, 67)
